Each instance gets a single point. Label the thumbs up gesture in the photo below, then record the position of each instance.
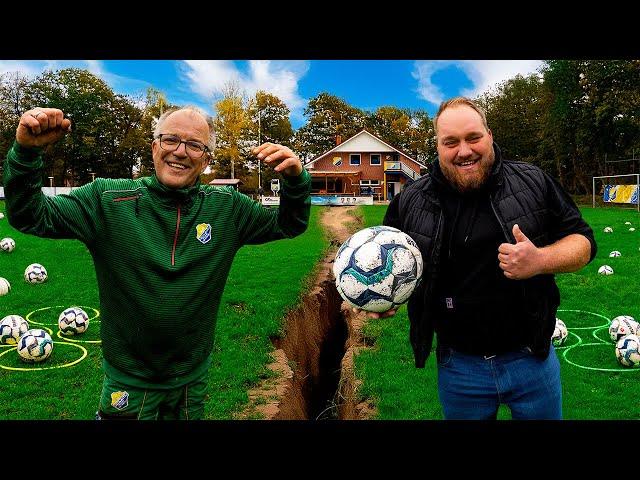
(522, 260)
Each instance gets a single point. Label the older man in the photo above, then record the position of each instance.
(162, 247)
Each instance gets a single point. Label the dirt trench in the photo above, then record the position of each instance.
(313, 362)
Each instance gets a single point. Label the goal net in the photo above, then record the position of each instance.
(619, 191)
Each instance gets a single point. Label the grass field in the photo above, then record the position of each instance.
(591, 376)
(265, 281)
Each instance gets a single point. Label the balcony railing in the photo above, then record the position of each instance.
(398, 166)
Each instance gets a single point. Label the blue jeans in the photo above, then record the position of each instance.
(473, 387)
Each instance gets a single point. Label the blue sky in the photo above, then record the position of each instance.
(366, 84)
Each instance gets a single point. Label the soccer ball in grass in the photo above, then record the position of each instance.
(627, 223)
(1, 215)
(608, 230)
(5, 286)
(559, 334)
(12, 327)
(615, 253)
(73, 321)
(35, 273)
(632, 229)
(622, 325)
(7, 244)
(627, 351)
(605, 270)
(377, 268)
(35, 346)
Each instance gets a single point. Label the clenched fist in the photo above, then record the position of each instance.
(39, 127)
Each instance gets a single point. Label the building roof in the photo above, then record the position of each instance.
(359, 146)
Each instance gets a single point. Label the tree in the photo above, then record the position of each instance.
(12, 105)
(101, 122)
(154, 105)
(514, 111)
(268, 122)
(231, 125)
(327, 117)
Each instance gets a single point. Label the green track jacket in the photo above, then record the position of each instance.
(162, 257)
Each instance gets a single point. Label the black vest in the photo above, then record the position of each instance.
(518, 193)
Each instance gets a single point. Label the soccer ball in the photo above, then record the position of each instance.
(5, 286)
(608, 230)
(12, 327)
(615, 253)
(1, 215)
(627, 350)
(622, 325)
(73, 321)
(377, 268)
(35, 273)
(35, 346)
(560, 333)
(605, 270)
(632, 229)
(7, 244)
(627, 223)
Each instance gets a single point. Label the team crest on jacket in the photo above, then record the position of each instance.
(120, 400)
(203, 232)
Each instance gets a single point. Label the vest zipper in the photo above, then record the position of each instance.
(500, 222)
(175, 238)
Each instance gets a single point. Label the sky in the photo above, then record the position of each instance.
(366, 84)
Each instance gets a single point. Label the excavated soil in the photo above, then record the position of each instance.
(313, 362)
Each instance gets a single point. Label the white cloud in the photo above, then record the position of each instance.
(280, 78)
(28, 68)
(484, 74)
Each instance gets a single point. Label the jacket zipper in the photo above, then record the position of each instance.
(132, 197)
(175, 239)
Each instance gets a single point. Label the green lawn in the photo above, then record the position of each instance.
(591, 376)
(265, 281)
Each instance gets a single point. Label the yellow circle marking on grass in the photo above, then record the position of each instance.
(22, 369)
(600, 343)
(69, 339)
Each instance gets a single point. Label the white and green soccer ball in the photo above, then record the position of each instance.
(628, 351)
(608, 230)
(560, 333)
(35, 273)
(12, 327)
(622, 325)
(377, 268)
(35, 346)
(7, 244)
(615, 253)
(5, 286)
(605, 270)
(632, 229)
(73, 321)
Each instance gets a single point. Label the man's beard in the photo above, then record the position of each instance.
(464, 183)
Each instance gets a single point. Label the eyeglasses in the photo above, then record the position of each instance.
(170, 143)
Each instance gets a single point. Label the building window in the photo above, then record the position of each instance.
(375, 159)
(354, 159)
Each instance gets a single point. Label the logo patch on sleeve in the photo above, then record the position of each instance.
(120, 400)
(203, 232)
